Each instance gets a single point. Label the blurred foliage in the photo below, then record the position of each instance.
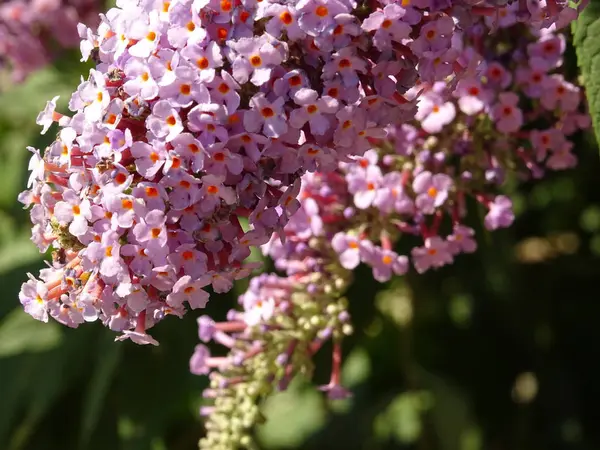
(499, 351)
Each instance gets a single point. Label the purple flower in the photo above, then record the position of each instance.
(204, 59)
(257, 310)
(472, 98)
(435, 253)
(434, 38)
(188, 290)
(461, 240)
(385, 263)
(140, 338)
(185, 28)
(73, 211)
(198, 361)
(46, 117)
(349, 249)
(432, 190)
(507, 114)
(284, 18)
(151, 230)
(165, 121)
(500, 213)
(346, 64)
(213, 191)
(433, 112)
(533, 77)
(387, 25)
(391, 196)
(34, 298)
(317, 15)
(206, 328)
(560, 94)
(266, 115)
(256, 57)
(140, 81)
(187, 258)
(562, 158)
(364, 185)
(148, 159)
(223, 90)
(312, 111)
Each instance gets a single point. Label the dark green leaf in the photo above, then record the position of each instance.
(587, 42)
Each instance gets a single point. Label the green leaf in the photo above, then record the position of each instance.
(20, 333)
(109, 355)
(586, 38)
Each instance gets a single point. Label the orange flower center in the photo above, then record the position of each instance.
(120, 178)
(202, 63)
(267, 112)
(286, 17)
(256, 60)
(151, 192)
(321, 11)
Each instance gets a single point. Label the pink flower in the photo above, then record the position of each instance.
(434, 254)
(164, 121)
(461, 240)
(432, 190)
(188, 290)
(73, 211)
(507, 114)
(266, 115)
(433, 112)
(500, 214)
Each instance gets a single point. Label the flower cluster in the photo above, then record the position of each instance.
(284, 320)
(197, 113)
(512, 113)
(31, 31)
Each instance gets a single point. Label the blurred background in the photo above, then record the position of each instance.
(499, 351)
